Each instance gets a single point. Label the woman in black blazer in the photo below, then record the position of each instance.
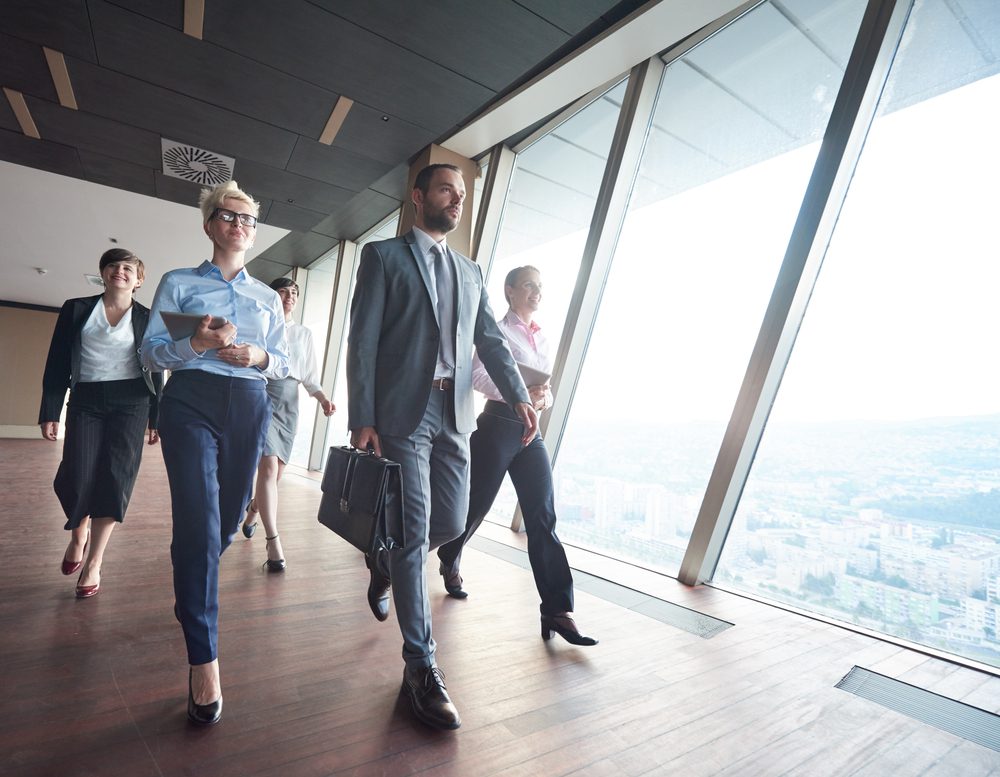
(113, 398)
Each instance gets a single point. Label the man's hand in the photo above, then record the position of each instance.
(366, 437)
(206, 339)
(529, 418)
(50, 430)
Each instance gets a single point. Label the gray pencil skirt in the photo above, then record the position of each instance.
(284, 396)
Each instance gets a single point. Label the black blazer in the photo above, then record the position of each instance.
(62, 368)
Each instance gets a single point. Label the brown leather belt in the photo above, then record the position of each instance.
(443, 384)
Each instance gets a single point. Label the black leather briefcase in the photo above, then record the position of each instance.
(363, 499)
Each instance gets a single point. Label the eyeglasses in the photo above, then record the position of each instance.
(229, 216)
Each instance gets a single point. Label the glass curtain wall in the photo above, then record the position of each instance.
(545, 223)
(875, 494)
(729, 152)
(315, 309)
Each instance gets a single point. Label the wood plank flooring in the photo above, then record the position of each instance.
(311, 680)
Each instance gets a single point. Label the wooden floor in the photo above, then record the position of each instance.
(311, 680)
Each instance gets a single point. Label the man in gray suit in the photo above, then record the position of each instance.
(419, 308)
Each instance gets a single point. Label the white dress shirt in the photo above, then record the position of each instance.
(302, 357)
(108, 352)
(530, 347)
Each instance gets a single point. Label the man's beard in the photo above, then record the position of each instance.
(440, 221)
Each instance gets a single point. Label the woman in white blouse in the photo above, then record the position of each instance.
(113, 400)
(496, 450)
(284, 395)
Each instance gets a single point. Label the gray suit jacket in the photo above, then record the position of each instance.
(393, 342)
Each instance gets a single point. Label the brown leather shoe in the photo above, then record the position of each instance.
(453, 583)
(424, 685)
(378, 589)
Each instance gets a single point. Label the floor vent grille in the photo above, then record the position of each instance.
(962, 720)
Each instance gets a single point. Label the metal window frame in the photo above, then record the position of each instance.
(853, 112)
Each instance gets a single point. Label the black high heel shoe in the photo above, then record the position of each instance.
(250, 528)
(203, 714)
(274, 566)
(564, 625)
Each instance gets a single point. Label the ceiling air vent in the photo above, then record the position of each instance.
(195, 164)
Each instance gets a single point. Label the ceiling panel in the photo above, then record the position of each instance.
(393, 183)
(63, 25)
(570, 17)
(171, 14)
(177, 190)
(8, 120)
(95, 133)
(299, 249)
(367, 208)
(264, 181)
(388, 139)
(492, 47)
(324, 49)
(52, 157)
(334, 165)
(153, 52)
(178, 117)
(23, 68)
(110, 171)
(292, 217)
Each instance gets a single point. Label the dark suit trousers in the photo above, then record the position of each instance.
(105, 425)
(495, 450)
(212, 429)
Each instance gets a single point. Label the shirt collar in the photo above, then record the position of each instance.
(206, 268)
(426, 242)
(515, 320)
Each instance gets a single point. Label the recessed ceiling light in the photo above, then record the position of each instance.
(113, 239)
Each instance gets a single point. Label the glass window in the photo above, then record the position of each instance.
(727, 157)
(317, 299)
(546, 220)
(875, 494)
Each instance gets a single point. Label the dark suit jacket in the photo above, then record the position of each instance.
(393, 342)
(62, 368)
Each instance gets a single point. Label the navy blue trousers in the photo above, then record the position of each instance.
(212, 429)
(495, 449)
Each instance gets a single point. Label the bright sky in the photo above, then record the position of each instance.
(904, 319)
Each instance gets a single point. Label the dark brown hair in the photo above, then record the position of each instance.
(114, 255)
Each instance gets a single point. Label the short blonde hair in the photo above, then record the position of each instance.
(211, 199)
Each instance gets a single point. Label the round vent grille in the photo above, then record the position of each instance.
(196, 164)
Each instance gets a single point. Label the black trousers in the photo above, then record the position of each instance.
(105, 429)
(495, 450)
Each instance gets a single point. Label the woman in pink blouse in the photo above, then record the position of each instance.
(496, 450)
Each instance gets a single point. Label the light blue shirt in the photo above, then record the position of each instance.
(252, 306)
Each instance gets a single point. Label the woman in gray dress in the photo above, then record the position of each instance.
(284, 395)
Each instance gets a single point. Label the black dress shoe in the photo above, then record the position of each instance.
(564, 625)
(250, 528)
(453, 583)
(378, 589)
(203, 714)
(274, 565)
(424, 685)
